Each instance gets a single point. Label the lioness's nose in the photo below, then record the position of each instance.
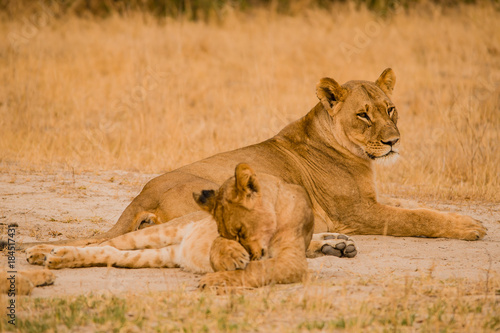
(390, 142)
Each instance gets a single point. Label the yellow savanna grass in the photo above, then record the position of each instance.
(385, 304)
(130, 92)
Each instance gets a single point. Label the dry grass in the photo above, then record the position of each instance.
(132, 93)
(422, 304)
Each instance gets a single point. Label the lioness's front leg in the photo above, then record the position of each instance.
(397, 202)
(386, 220)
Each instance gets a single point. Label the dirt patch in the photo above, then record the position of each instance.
(56, 206)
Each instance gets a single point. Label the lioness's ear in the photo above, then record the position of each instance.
(330, 93)
(206, 200)
(386, 81)
(246, 180)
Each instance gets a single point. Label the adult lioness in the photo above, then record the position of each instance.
(330, 152)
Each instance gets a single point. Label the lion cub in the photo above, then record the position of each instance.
(261, 231)
(272, 220)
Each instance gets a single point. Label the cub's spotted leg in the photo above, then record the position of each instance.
(157, 236)
(191, 254)
(331, 244)
(73, 257)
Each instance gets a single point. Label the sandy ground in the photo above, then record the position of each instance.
(66, 205)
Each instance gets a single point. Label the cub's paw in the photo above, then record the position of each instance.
(40, 277)
(467, 228)
(228, 256)
(211, 280)
(36, 255)
(221, 282)
(332, 244)
(62, 257)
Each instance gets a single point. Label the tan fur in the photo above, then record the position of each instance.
(330, 152)
(274, 221)
(25, 281)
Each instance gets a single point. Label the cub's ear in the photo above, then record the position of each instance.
(206, 200)
(386, 81)
(246, 180)
(330, 94)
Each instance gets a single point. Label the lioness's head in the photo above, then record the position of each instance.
(363, 116)
(240, 211)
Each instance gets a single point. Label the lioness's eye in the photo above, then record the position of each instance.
(363, 115)
(390, 111)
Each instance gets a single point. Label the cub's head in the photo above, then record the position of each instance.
(362, 115)
(241, 212)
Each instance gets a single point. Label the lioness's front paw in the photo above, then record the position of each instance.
(36, 255)
(467, 228)
(61, 257)
(332, 244)
(230, 257)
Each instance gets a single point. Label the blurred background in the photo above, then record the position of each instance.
(149, 86)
